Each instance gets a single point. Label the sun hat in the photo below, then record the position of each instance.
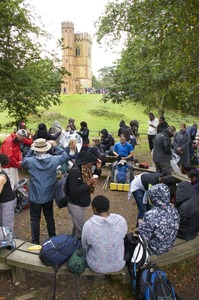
(41, 145)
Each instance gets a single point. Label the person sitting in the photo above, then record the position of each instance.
(123, 151)
(159, 226)
(97, 150)
(72, 152)
(107, 140)
(187, 202)
(194, 177)
(103, 238)
(140, 186)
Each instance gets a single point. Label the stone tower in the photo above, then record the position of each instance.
(76, 58)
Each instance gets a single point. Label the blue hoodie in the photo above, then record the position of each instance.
(42, 171)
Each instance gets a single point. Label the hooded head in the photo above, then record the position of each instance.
(83, 124)
(159, 194)
(85, 157)
(42, 126)
(184, 192)
(122, 123)
(104, 132)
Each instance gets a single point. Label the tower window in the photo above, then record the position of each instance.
(77, 51)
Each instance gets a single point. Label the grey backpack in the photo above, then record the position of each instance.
(6, 238)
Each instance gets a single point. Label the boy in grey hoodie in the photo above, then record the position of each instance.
(103, 238)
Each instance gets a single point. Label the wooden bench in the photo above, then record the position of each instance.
(22, 259)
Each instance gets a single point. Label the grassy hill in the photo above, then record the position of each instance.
(97, 114)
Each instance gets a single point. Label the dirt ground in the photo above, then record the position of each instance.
(38, 286)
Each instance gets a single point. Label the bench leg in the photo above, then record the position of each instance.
(4, 267)
(18, 274)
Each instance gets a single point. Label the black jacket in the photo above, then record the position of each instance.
(187, 202)
(106, 140)
(162, 147)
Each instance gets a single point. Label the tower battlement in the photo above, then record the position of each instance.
(67, 24)
(83, 37)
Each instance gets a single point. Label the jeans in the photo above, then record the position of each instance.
(142, 208)
(35, 217)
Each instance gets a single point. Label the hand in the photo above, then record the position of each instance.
(98, 164)
(53, 143)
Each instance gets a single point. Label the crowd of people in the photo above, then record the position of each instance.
(165, 210)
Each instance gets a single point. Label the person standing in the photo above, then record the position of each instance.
(42, 170)
(162, 124)
(81, 184)
(7, 197)
(181, 146)
(84, 133)
(103, 238)
(162, 152)
(152, 129)
(11, 147)
(192, 131)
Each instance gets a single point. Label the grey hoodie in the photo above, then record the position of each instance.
(103, 239)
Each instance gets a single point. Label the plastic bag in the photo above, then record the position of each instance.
(174, 163)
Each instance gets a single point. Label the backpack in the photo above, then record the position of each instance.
(55, 252)
(21, 193)
(61, 197)
(154, 285)
(77, 262)
(6, 238)
(122, 174)
(136, 256)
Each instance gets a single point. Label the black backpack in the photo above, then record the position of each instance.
(154, 285)
(61, 192)
(136, 256)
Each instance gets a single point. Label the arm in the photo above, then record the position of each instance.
(2, 182)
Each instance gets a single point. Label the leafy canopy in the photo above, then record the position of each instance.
(159, 62)
(28, 80)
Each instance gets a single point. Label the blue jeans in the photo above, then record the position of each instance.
(142, 208)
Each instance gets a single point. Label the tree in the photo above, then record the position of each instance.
(159, 64)
(28, 80)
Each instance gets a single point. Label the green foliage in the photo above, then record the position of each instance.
(159, 64)
(27, 81)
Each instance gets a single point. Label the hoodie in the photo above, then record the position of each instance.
(188, 208)
(42, 171)
(159, 226)
(103, 240)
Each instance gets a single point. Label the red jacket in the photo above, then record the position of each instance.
(12, 149)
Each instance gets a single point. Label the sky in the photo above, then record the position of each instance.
(82, 13)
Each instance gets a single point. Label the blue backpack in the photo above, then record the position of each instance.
(61, 197)
(154, 285)
(122, 174)
(56, 251)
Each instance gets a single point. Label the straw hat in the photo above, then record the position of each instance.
(41, 145)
